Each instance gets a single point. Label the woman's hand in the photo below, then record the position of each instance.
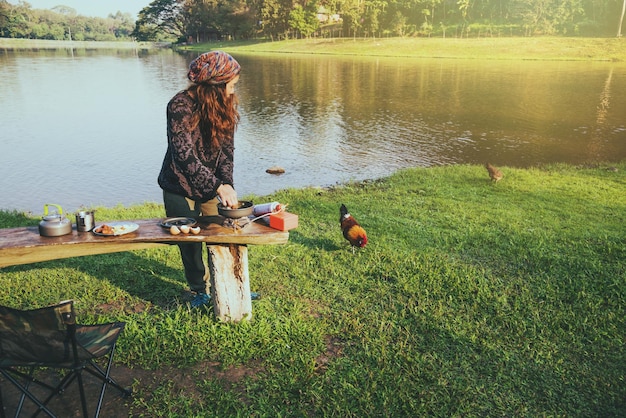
(227, 195)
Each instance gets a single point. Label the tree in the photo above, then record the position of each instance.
(64, 10)
(69, 15)
(371, 21)
(122, 24)
(274, 17)
(397, 23)
(5, 17)
(200, 18)
(277, 19)
(60, 22)
(240, 18)
(160, 16)
(304, 20)
(621, 20)
(352, 12)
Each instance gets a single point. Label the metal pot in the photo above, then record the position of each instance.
(54, 225)
(243, 209)
(85, 220)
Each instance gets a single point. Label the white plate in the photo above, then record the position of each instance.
(169, 222)
(119, 228)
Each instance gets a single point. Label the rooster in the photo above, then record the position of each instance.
(495, 174)
(352, 231)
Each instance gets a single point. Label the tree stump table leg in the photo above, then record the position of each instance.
(230, 282)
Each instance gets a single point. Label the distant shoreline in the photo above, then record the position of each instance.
(548, 48)
(531, 48)
(11, 43)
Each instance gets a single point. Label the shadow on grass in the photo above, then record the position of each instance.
(136, 273)
(313, 243)
(155, 276)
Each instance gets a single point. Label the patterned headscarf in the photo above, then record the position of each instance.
(215, 67)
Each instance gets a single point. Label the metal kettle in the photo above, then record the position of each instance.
(54, 225)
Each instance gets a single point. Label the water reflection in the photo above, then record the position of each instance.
(87, 127)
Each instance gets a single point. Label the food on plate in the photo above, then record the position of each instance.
(174, 230)
(116, 228)
(105, 229)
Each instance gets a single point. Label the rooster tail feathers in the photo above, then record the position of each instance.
(343, 211)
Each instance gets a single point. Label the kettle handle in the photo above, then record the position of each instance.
(45, 208)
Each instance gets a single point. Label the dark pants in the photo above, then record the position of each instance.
(191, 254)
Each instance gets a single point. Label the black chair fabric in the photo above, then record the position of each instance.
(50, 338)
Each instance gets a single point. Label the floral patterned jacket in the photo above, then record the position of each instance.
(189, 168)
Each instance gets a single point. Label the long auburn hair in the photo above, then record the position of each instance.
(216, 113)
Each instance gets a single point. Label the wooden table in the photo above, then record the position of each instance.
(227, 248)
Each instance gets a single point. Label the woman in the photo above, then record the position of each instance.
(198, 164)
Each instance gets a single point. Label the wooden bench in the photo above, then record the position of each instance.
(227, 248)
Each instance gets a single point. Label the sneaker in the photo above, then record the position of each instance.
(200, 300)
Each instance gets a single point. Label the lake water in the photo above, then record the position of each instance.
(87, 127)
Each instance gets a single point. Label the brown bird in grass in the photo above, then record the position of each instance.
(495, 174)
(352, 231)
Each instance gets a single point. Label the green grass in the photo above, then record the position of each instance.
(504, 48)
(471, 299)
(535, 48)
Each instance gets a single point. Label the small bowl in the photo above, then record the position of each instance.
(244, 209)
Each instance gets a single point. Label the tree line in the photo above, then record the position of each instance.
(62, 23)
(199, 20)
(203, 20)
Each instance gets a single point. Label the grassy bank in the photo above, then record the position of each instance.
(536, 48)
(11, 43)
(471, 299)
(543, 48)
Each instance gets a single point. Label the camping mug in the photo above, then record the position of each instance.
(85, 221)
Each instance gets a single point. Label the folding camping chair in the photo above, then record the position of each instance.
(50, 338)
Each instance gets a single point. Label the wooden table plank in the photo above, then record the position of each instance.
(25, 245)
